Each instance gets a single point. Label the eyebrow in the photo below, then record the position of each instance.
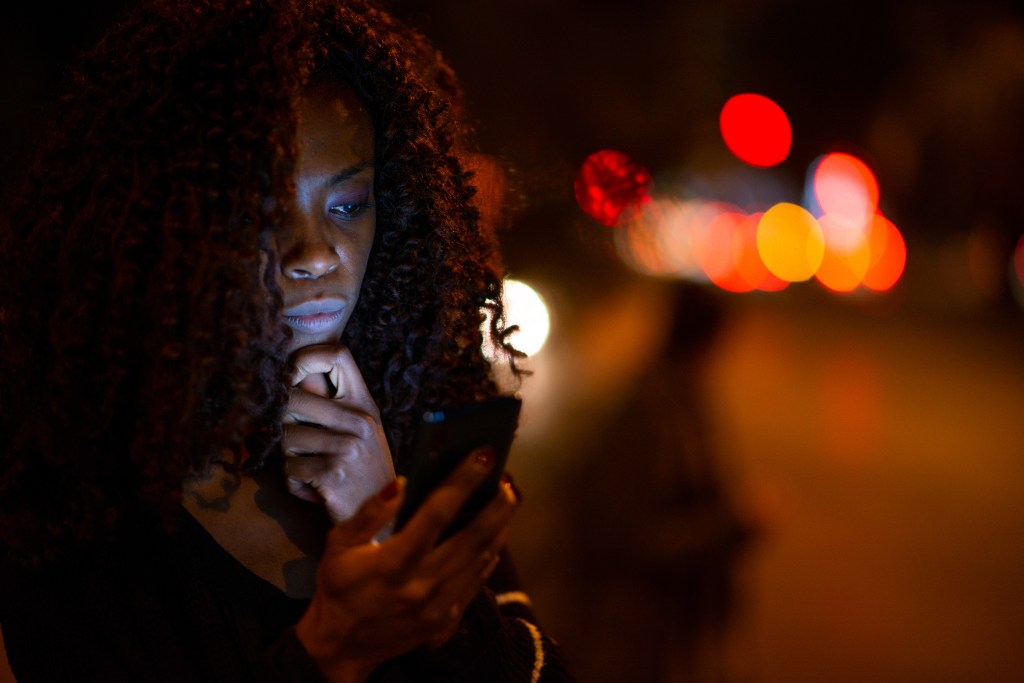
(346, 174)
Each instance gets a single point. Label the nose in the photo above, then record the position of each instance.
(306, 252)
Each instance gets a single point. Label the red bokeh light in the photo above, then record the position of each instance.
(608, 183)
(755, 129)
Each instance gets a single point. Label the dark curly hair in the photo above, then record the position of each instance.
(140, 317)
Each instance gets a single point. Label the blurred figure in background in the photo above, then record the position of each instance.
(656, 534)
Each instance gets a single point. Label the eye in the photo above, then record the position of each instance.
(348, 211)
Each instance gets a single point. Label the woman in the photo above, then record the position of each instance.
(247, 259)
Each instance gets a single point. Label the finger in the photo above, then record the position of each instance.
(469, 557)
(314, 461)
(316, 382)
(337, 364)
(314, 469)
(318, 359)
(439, 640)
(455, 596)
(335, 414)
(303, 440)
(437, 512)
(491, 519)
(462, 556)
(371, 518)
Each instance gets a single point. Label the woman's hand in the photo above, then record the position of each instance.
(333, 442)
(375, 601)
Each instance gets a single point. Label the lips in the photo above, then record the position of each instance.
(313, 317)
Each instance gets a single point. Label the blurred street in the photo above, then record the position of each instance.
(883, 456)
(891, 454)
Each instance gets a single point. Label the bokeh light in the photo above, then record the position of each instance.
(608, 183)
(721, 248)
(749, 266)
(772, 283)
(888, 255)
(755, 129)
(662, 238)
(728, 253)
(642, 243)
(526, 308)
(719, 234)
(845, 262)
(790, 242)
(846, 190)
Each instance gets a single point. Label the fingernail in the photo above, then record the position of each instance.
(390, 491)
(506, 481)
(484, 457)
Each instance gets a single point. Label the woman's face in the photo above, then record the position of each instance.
(324, 247)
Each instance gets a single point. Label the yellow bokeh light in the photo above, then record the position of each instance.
(790, 242)
(845, 262)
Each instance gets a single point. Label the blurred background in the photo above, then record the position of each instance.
(774, 432)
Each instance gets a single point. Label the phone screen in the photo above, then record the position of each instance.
(444, 438)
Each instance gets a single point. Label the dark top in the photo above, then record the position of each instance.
(178, 607)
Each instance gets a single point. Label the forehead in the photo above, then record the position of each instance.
(333, 122)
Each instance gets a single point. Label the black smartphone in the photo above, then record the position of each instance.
(444, 438)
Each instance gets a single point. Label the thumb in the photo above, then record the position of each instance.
(372, 516)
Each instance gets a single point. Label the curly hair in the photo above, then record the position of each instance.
(140, 316)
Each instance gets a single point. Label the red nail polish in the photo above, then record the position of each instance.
(484, 457)
(389, 491)
(506, 481)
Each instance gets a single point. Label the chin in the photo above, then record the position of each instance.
(301, 341)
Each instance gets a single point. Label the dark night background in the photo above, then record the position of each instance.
(877, 440)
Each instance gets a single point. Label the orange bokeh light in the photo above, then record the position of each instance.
(720, 251)
(844, 271)
(845, 262)
(749, 265)
(755, 129)
(888, 255)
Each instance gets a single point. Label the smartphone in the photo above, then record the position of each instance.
(444, 438)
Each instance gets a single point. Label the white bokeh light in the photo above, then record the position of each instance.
(525, 307)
